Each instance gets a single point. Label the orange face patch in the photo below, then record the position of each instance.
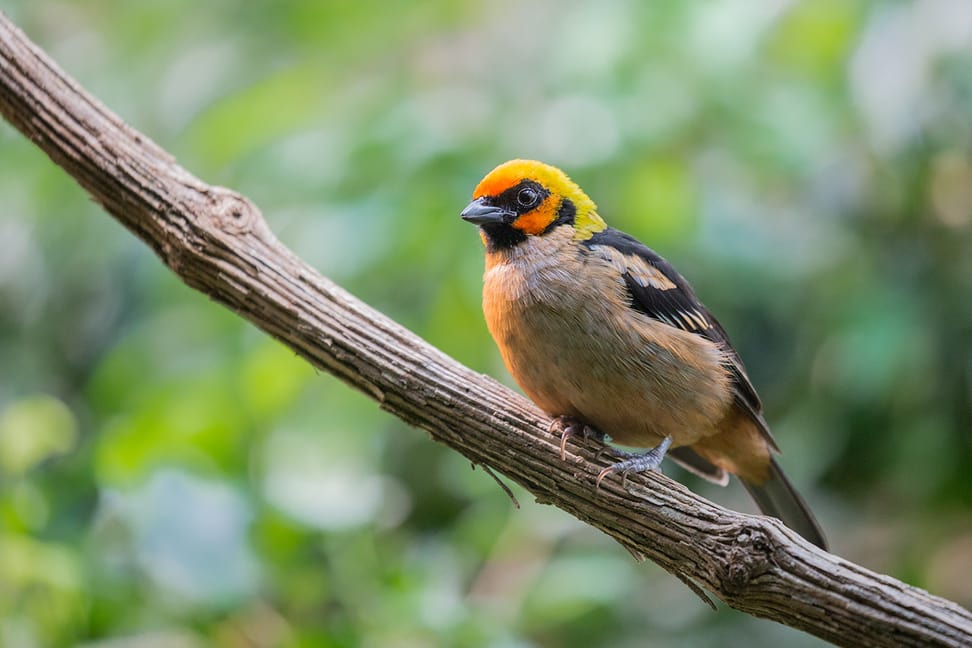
(537, 219)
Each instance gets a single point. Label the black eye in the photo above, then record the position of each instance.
(527, 197)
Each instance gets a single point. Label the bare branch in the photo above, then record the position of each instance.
(217, 242)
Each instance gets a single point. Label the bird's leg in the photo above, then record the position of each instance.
(638, 462)
(569, 426)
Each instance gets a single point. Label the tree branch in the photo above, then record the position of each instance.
(217, 242)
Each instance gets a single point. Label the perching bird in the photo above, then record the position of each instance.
(604, 335)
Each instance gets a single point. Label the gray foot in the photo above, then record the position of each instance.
(638, 462)
(568, 426)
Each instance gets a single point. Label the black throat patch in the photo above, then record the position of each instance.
(502, 236)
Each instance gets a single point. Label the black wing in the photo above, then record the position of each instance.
(660, 292)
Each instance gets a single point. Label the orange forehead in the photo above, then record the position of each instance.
(509, 174)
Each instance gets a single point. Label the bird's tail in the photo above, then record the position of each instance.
(777, 497)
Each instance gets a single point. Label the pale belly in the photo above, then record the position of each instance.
(589, 357)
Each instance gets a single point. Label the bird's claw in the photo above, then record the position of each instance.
(650, 460)
(568, 426)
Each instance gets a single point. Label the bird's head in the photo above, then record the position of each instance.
(524, 198)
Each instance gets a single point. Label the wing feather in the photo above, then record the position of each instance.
(660, 292)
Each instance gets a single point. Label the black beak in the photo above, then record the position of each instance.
(479, 213)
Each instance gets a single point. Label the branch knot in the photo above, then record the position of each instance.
(749, 557)
(231, 212)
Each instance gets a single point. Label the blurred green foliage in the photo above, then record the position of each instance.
(171, 477)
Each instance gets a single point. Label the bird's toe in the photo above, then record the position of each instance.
(643, 462)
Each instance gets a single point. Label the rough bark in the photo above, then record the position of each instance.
(217, 242)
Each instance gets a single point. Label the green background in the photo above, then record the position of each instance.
(168, 474)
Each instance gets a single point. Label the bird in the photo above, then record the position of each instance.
(608, 339)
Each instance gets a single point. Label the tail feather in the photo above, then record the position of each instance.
(777, 497)
(693, 462)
